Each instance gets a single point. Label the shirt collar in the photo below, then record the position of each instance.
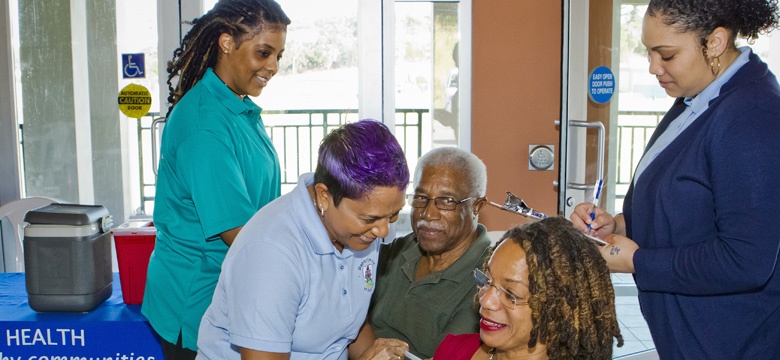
(311, 225)
(456, 270)
(225, 96)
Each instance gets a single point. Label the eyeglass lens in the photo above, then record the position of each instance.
(484, 283)
(442, 202)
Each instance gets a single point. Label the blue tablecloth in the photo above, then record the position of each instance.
(114, 330)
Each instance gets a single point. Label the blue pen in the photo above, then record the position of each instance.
(595, 202)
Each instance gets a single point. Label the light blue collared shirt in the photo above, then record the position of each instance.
(285, 288)
(695, 107)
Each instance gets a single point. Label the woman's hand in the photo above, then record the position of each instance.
(619, 253)
(602, 225)
(385, 349)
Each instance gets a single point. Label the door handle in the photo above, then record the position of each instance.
(599, 160)
(157, 122)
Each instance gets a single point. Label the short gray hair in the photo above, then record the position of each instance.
(473, 169)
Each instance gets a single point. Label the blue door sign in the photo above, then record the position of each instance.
(133, 66)
(601, 85)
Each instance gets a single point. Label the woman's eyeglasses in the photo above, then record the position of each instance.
(484, 283)
(442, 202)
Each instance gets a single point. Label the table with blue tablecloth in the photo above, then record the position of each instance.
(112, 331)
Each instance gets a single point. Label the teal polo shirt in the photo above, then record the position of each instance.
(422, 312)
(217, 168)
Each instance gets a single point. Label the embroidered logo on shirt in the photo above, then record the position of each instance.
(369, 277)
(367, 270)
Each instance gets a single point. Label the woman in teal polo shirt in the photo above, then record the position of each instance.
(217, 164)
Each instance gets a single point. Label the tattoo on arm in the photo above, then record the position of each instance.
(614, 251)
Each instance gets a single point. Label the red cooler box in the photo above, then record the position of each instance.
(134, 244)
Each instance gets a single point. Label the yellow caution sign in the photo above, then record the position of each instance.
(134, 101)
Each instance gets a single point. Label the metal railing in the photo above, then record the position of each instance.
(633, 132)
(296, 135)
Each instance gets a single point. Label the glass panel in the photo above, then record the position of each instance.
(75, 146)
(426, 80)
(136, 25)
(642, 104)
(426, 68)
(610, 37)
(316, 88)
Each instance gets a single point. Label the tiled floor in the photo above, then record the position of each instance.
(636, 336)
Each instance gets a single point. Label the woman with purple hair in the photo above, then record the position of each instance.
(297, 282)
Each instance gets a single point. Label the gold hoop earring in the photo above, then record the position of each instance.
(715, 68)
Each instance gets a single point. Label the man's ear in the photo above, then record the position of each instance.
(478, 204)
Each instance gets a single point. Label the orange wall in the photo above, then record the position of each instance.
(516, 90)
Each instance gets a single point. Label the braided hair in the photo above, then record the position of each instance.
(572, 300)
(241, 19)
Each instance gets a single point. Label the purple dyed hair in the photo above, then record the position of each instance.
(357, 157)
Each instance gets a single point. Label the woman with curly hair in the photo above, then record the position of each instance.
(544, 293)
(698, 228)
(217, 164)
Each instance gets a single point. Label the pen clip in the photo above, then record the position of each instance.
(516, 205)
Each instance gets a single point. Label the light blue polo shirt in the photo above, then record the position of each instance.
(217, 168)
(285, 288)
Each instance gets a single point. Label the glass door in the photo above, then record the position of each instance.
(612, 104)
(430, 75)
(610, 107)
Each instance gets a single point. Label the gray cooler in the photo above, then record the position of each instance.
(67, 255)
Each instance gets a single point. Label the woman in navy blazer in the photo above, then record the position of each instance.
(699, 229)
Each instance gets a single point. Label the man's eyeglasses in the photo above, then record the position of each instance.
(441, 202)
(507, 299)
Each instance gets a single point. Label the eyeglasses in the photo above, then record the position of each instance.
(507, 299)
(441, 202)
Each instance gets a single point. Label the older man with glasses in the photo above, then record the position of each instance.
(425, 288)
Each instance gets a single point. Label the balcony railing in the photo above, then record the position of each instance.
(633, 133)
(296, 135)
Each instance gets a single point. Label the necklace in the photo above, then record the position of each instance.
(234, 92)
(490, 353)
(231, 89)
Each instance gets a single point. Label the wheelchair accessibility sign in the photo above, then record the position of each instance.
(133, 66)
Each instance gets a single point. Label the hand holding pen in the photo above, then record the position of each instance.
(595, 202)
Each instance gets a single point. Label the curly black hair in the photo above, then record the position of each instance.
(572, 300)
(745, 18)
(242, 19)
